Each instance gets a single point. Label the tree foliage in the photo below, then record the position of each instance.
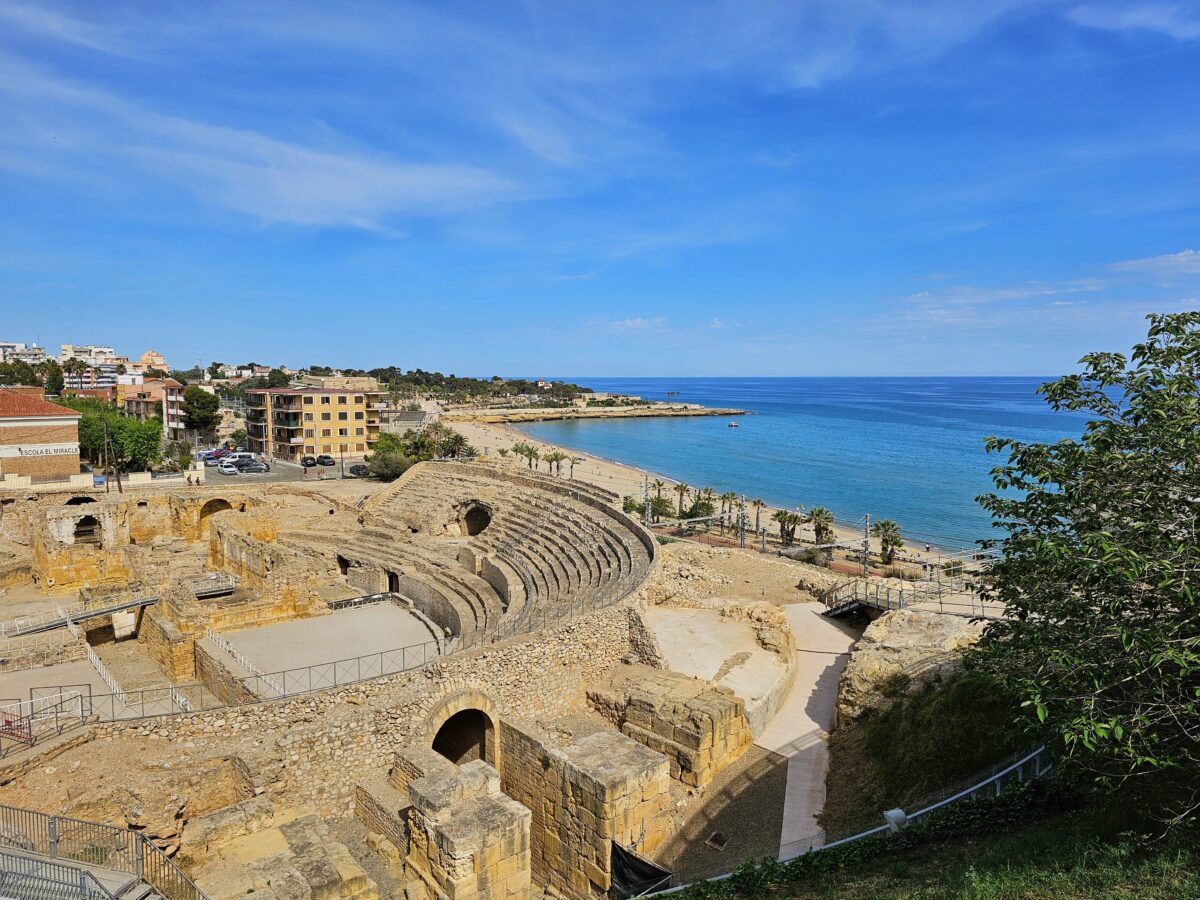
(890, 540)
(199, 408)
(393, 454)
(1100, 564)
(132, 445)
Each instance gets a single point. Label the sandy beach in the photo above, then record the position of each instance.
(488, 438)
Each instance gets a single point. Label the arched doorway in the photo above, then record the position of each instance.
(464, 737)
(464, 727)
(476, 519)
(87, 530)
(79, 501)
(215, 505)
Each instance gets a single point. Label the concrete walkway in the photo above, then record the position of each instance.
(800, 729)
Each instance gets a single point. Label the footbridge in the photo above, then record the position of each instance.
(65, 618)
(957, 597)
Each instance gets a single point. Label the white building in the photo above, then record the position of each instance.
(16, 351)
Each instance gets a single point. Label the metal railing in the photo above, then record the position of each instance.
(365, 600)
(106, 676)
(242, 660)
(33, 878)
(323, 676)
(1014, 769)
(59, 838)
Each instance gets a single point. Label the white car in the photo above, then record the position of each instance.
(227, 468)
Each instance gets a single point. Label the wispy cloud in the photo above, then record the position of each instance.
(1176, 20)
(718, 323)
(1185, 262)
(656, 323)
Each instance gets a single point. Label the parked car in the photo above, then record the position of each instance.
(227, 468)
(359, 470)
(308, 461)
(326, 460)
(253, 468)
(212, 460)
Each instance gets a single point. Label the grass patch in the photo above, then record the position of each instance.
(942, 733)
(1030, 842)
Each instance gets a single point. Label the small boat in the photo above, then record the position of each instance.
(733, 424)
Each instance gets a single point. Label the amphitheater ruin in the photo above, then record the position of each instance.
(476, 681)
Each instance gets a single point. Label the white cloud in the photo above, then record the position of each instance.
(1175, 20)
(657, 323)
(1185, 262)
(718, 323)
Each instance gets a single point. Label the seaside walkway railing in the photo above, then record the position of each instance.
(88, 847)
(1015, 769)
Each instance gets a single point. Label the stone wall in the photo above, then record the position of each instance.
(221, 683)
(467, 839)
(597, 789)
(701, 727)
(318, 746)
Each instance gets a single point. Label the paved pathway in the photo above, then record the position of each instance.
(800, 729)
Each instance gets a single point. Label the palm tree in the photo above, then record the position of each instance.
(658, 484)
(759, 506)
(787, 526)
(821, 520)
(890, 540)
(727, 500)
(575, 459)
(554, 461)
(681, 489)
(533, 456)
(503, 452)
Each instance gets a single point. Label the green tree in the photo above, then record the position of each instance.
(152, 372)
(139, 444)
(240, 438)
(199, 409)
(1099, 564)
(277, 379)
(214, 370)
(54, 379)
(821, 520)
(888, 533)
(788, 521)
(681, 489)
(759, 506)
(574, 460)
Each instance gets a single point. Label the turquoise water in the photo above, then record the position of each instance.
(909, 449)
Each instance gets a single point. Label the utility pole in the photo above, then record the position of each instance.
(866, 545)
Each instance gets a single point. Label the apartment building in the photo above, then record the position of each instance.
(16, 351)
(101, 366)
(288, 423)
(157, 398)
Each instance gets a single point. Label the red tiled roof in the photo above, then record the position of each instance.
(18, 404)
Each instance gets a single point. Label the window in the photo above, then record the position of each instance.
(325, 417)
(359, 431)
(325, 401)
(308, 417)
(310, 448)
(342, 432)
(358, 399)
(342, 417)
(358, 414)
(342, 399)
(325, 448)
(325, 432)
(309, 432)
(359, 447)
(308, 401)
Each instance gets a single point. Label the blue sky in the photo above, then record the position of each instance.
(794, 188)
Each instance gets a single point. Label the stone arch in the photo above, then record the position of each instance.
(79, 501)
(476, 518)
(464, 727)
(87, 530)
(215, 505)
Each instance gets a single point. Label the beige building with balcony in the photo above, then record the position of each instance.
(288, 423)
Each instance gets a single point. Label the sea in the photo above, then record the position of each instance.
(907, 449)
